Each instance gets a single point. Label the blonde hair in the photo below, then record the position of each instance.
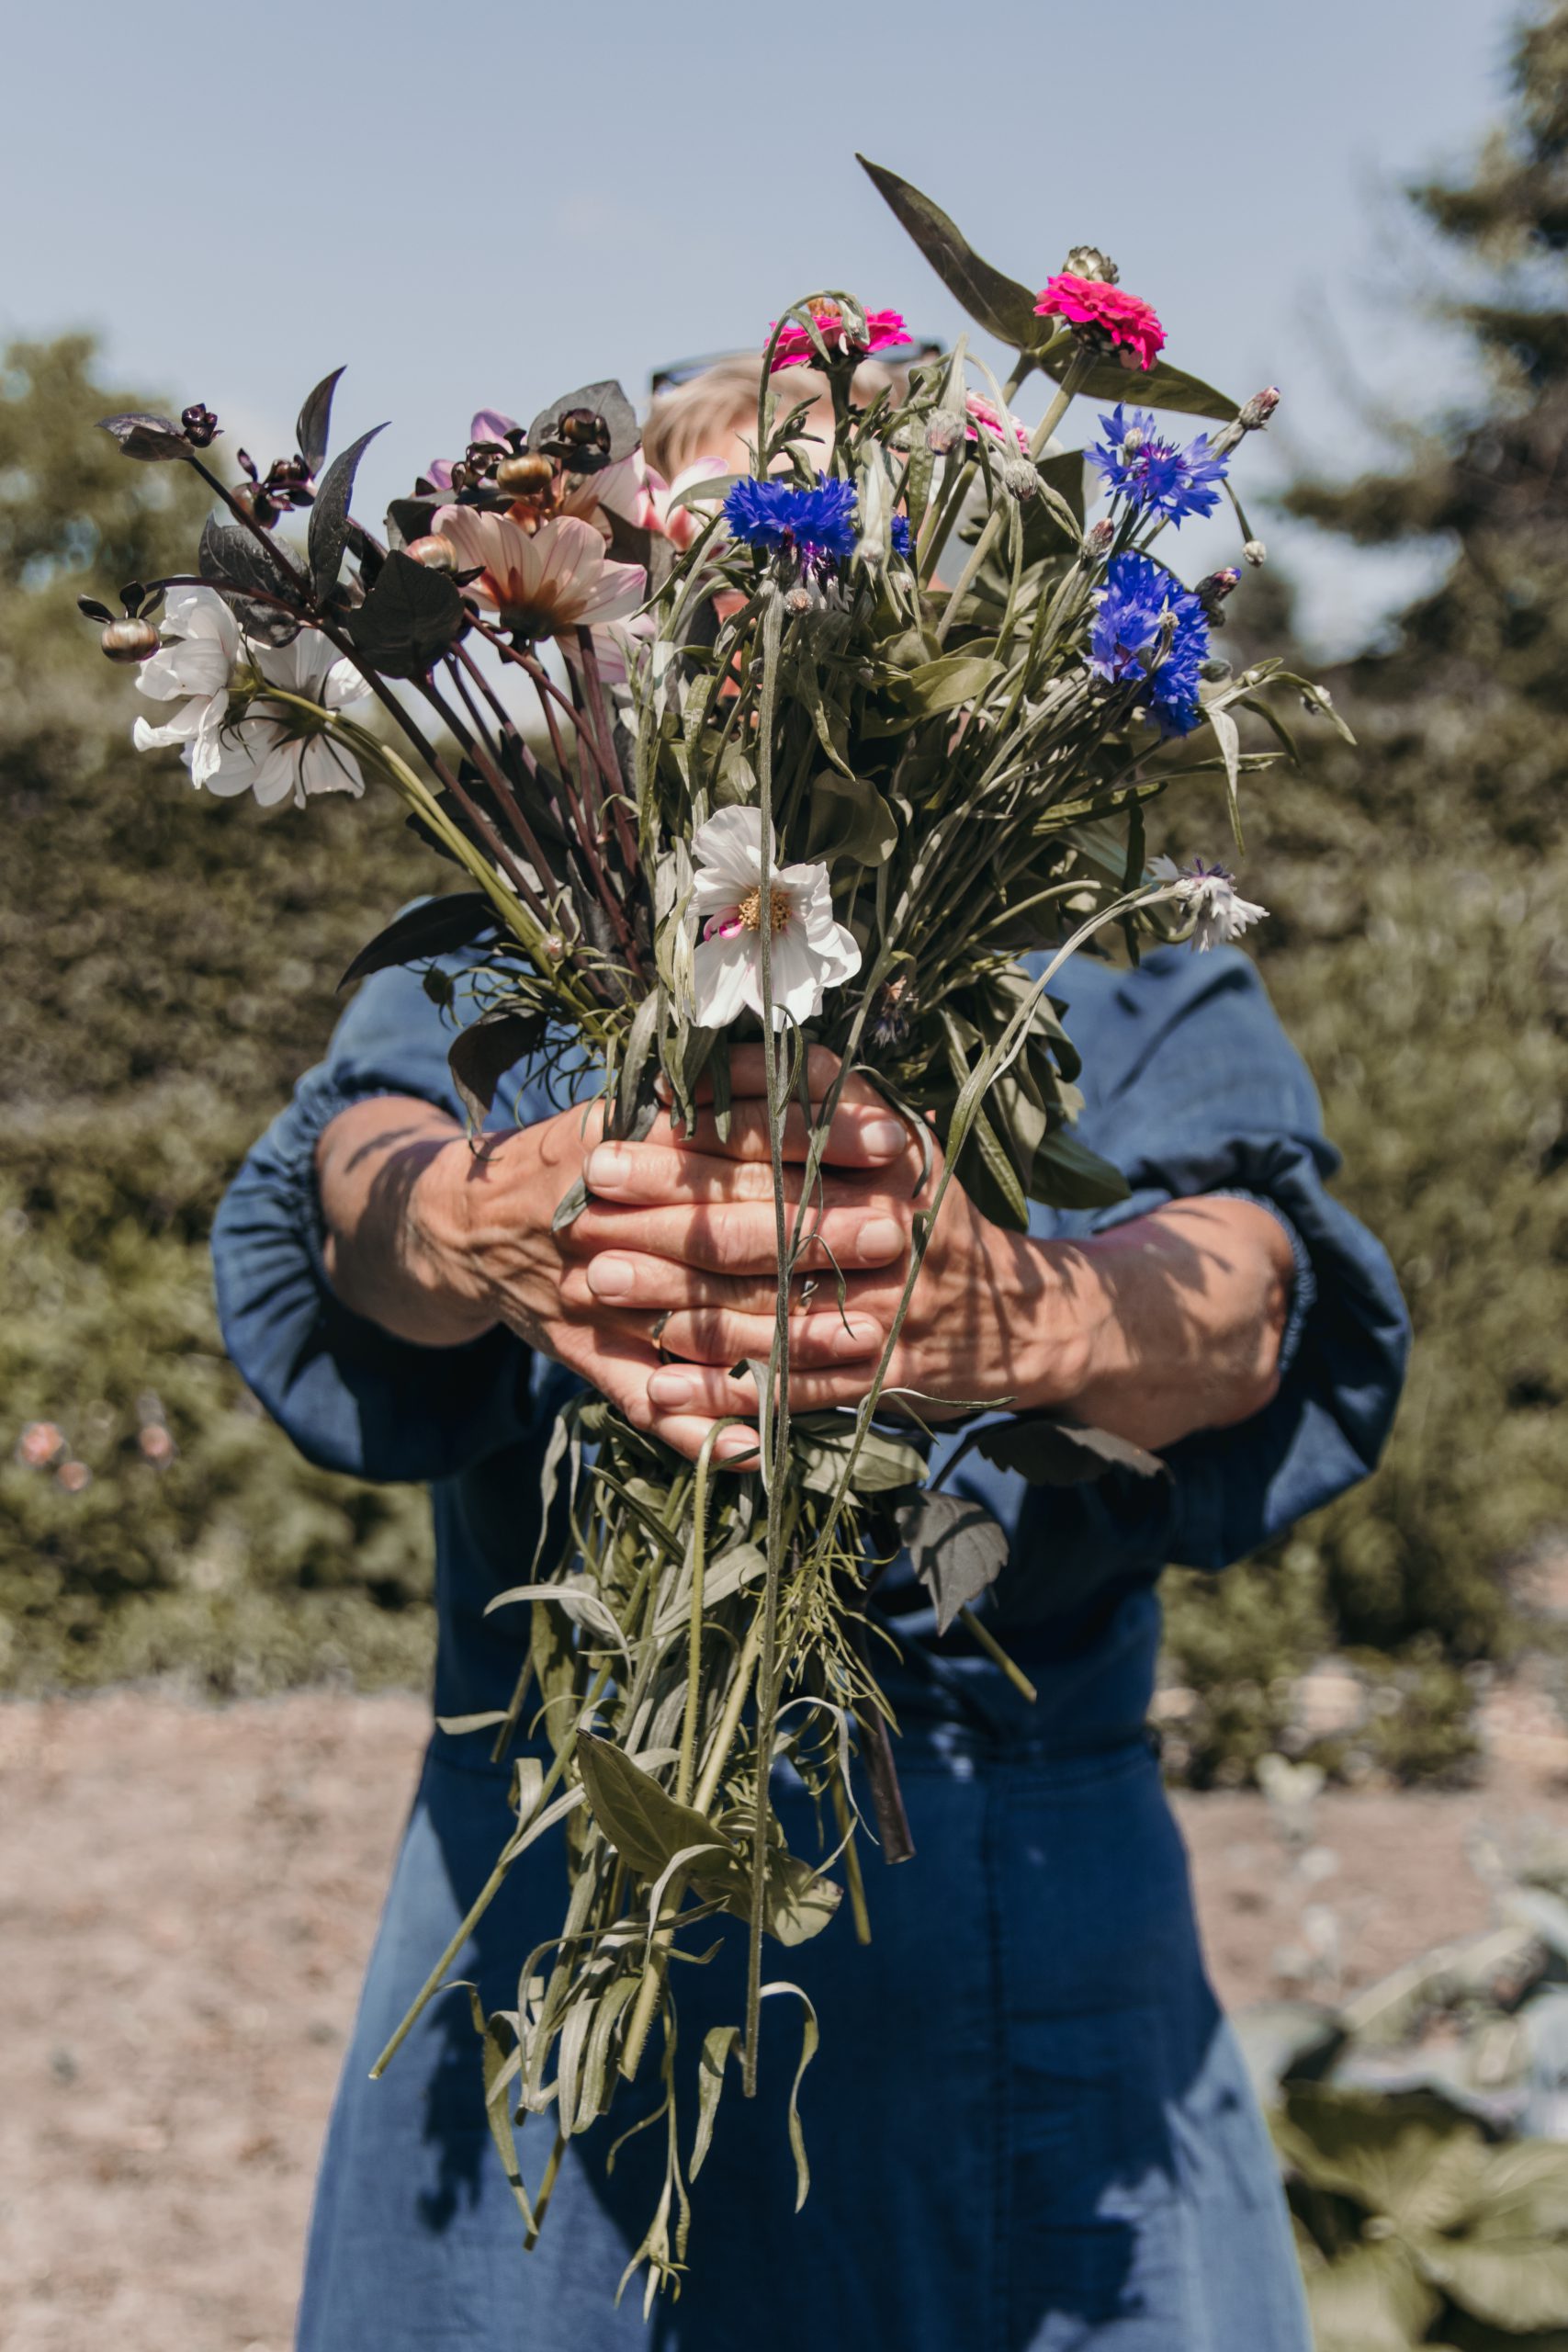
(692, 419)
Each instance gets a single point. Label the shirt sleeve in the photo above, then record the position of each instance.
(351, 1396)
(1192, 1087)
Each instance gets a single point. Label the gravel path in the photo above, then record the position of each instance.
(187, 1897)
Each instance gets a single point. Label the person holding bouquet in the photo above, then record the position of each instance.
(1028, 2122)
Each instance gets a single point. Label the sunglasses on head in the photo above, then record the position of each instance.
(894, 354)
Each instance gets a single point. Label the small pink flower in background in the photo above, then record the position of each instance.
(38, 1444)
(883, 330)
(984, 415)
(74, 1477)
(539, 583)
(1129, 324)
(627, 488)
(156, 1445)
(487, 425)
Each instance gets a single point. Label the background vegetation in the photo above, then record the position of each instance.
(172, 962)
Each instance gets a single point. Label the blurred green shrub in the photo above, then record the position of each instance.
(170, 964)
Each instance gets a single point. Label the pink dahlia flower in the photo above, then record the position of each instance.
(541, 582)
(1088, 303)
(883, 329)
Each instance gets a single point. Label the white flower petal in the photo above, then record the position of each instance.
(795, 976)
(326, 767)
(278, 777)
(345, 682)
(731, 845)
(724, 980)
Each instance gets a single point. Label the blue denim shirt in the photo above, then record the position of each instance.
(1190, 1087)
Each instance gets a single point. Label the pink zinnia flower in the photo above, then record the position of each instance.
(982, 412)
(882, 329)
(540, 584)
(1123, 318)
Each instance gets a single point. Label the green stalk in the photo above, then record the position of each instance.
(1077, 369)
(778, 1363)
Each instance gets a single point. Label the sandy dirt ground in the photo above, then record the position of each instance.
(186, 1897)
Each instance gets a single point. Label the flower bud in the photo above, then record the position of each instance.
(944, 430)
(1087, 261)
(130, 640)
(523, 476)
(1212, 591)
(1019, 478)
(1215, 668)
(1260, 409)
(200, 425)
(434, 552)
(1099, 538)
(1132, 441)
(1256, 554)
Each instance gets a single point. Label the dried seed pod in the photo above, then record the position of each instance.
(524, 476)
(130, 640)
(435, 553)
(1087, 261)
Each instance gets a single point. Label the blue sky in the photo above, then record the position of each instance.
(485, 206)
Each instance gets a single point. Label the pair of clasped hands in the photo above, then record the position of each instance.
(665, 1283)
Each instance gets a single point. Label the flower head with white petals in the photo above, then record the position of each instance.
(810, 953)
(1209, 894)
(234, 736)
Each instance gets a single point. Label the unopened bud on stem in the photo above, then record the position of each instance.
(436, 554)
(523, 476)
(1087, 261)
(1256, 554)
(1099, 538)
(130, 640)
(1260, 409)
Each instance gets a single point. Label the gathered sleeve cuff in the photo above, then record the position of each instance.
(352, 1396)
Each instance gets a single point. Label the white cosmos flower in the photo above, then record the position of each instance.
(267, 748)
(271, 751)
(197, 665)
(808, 954)
(1209, 894)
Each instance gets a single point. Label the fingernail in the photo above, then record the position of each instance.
(611, 1277)
(883, 1139)
(669, 1387)
(607, 1168)
(879, 1238)
(856, 1339)
(733, 1442)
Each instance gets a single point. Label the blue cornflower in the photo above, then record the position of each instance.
(1154, 474)
(901, 535)
(1138, 602)
(818, 525)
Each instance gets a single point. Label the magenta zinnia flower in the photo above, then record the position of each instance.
(1122, 318)
(883, 329)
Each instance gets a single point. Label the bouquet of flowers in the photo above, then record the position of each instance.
(850, 751)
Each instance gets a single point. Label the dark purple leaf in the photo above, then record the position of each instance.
(1001, 304)
(956, 1549)
(604, 400)
(93, 610)
(154, 439)
(314, 423)
(329, 516)
(481, 1054)
(409, 616)
(434, 927)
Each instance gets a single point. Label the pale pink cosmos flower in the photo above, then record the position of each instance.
(541, 582)
(883, 329)
(38, 1444)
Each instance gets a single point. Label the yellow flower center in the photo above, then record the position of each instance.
(750, 910)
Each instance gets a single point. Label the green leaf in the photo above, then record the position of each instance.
(1374, 2299)
(1409, 2155)
(821, 1443)
(646, 1826)
(798, 1903)
(1058, 1453)
(999, 304)
(957, 1549)
(577, 1598)
(1069, 1176)
(720, 2043)
(808, 2040)
(849, 819)
(1513, 2283)
(1156, 387)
